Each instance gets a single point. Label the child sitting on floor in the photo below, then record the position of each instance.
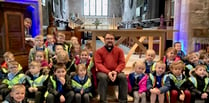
(158, 83)
(137, 82)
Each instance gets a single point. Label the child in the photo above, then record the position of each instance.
(198, 84)
(74, 40)
(62, 57)
(8, 56)
(180, 53)
(193, 60)
(81, 84)
(75, 52)
(88, 46)
(59, 86)
(84, 58)
(40, 57)
(57, 48)
(171, 56)
(91, 70)
(158, 83)
(205, 58)
(14, 76)
(50, 42)
(149, 60)
(61, 40)
(178, 83)
(137, 82)
(36, 82)
(27, 25)
(17, 94)
(39, 45)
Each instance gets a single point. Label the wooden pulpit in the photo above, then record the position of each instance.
(12, 36)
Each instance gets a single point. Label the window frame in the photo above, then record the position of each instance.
(95, 11)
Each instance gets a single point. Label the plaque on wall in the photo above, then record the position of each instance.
(201, 32)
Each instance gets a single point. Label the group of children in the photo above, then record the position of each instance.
(59, 71)
(177, 77)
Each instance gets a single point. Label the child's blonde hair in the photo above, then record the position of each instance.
(197, 67)
(61, 34)
(81, 66)
(201, 52)
(35, 63)
(140, 64)
(171, 49)
(11, 63)
(8, 54)
(84, 50)
(50, 35)
(17, 87)
(190, 55)
(160, 63)
(177, 64)
(62, 57)
(150, 51)
(39, 37)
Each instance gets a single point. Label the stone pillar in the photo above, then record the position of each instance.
(189, 14)
(129, 13)
(181, 23)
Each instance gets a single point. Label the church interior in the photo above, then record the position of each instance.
(137, 25)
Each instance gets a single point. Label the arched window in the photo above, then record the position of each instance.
(95, 7)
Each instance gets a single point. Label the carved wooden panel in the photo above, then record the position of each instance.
(1, 46)
(15, 32)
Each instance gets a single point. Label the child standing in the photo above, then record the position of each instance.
(59, 86)
(36, 82)
(17, 94)
(149, 60)
(8, 56)
(178, 83)
(81, 84)
(159, 83)
(171, 56)
(180, 53)
(198, 84)
(137, 82)
(14, 76)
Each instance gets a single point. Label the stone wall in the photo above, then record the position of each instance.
(199, 13)
(199, 18)
(189, 14)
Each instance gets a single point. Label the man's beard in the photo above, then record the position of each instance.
(109, 47)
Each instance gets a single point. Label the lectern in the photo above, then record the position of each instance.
(12, 37)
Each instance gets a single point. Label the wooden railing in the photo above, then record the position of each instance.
(134, 34)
